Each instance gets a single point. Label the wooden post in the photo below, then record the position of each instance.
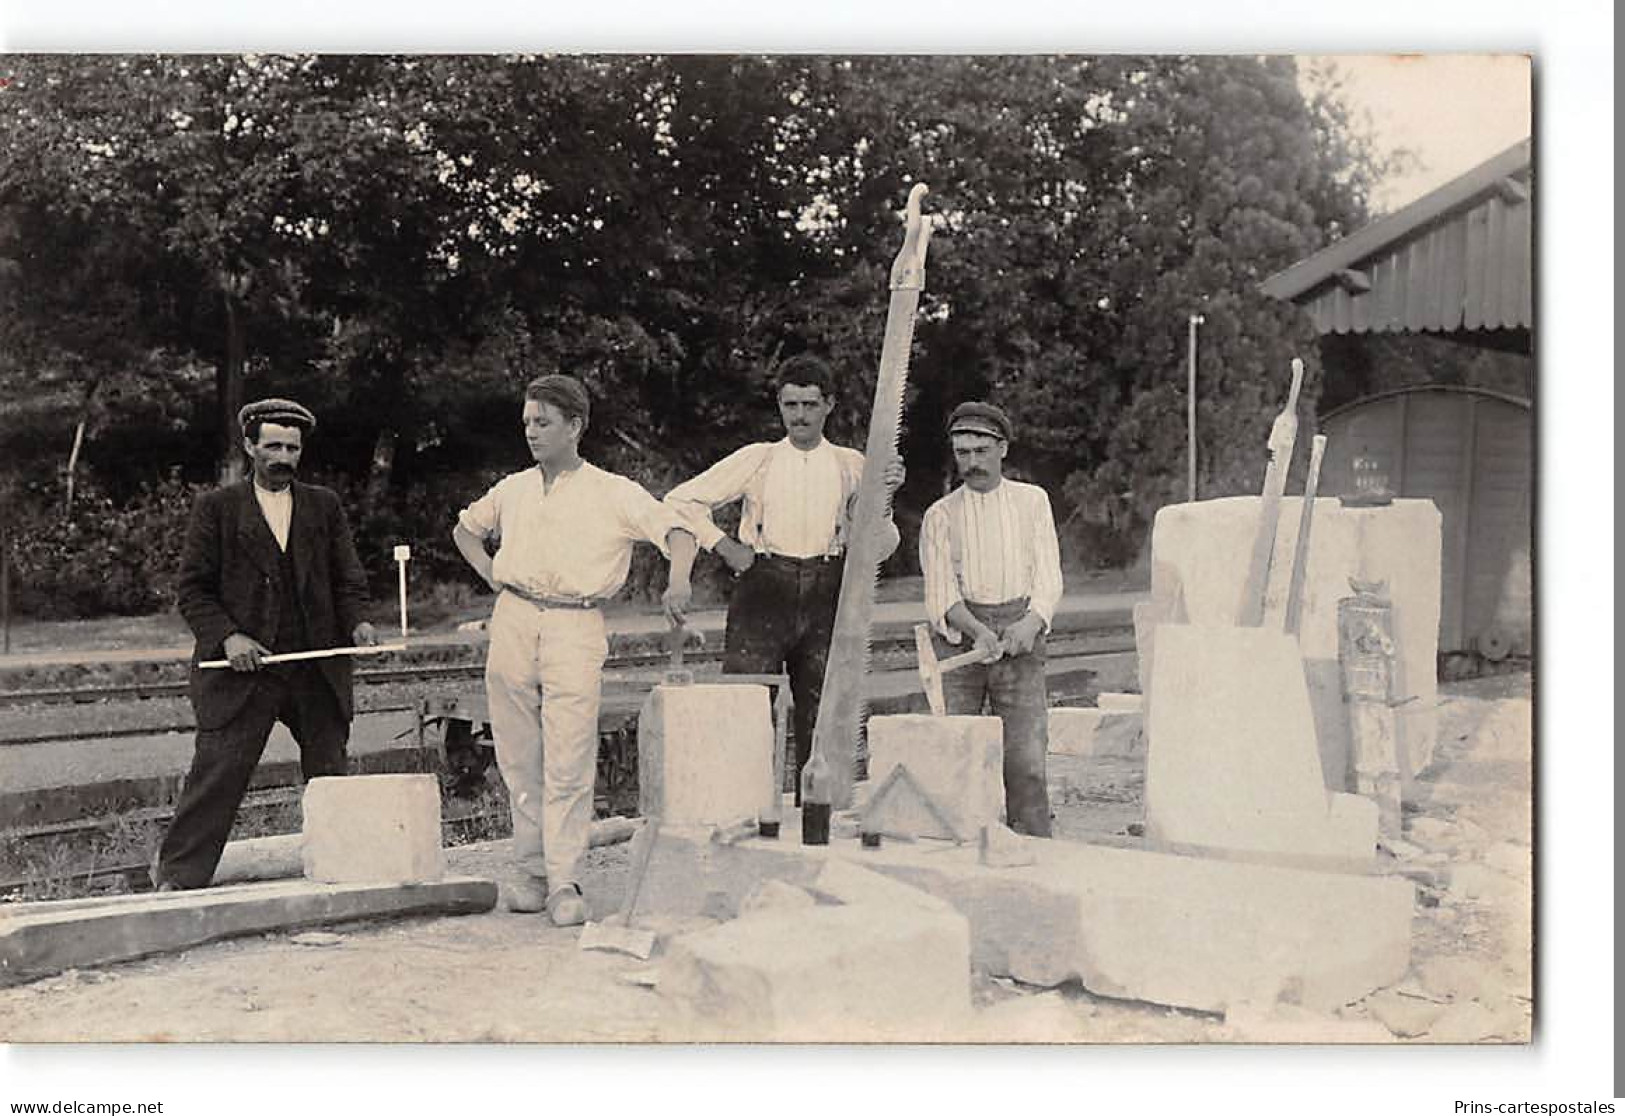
(5, 583)
(1190, 407)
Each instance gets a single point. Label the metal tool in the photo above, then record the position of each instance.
(1283, 436)
(676, 674)
(932, 670)
(622, 936)
(840, 707)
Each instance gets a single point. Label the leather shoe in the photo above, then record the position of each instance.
(527, 895)
(566, 907)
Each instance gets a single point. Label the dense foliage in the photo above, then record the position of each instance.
(402, 242)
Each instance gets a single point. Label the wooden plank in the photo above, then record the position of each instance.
(1461, 531)
(1516, 278)
(1452, 273)
(1478, 259)
(1495, 274)
(1416, 285)
(36, 944)
(1384, 280)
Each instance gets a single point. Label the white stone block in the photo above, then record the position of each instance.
(1232, 764)
(1199, 555)
(1119, 703)
(958, 761)
(1184, 931)
(1088, 731)
(373, 829)
(861, 973)
(705, 753)
(852, 885)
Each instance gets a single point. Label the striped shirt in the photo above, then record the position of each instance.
(988, 548)
(797, 503)
(574, 541)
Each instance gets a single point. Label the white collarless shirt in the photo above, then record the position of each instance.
(573, 540)
(277, 507)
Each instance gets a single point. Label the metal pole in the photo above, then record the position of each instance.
(1190, 407)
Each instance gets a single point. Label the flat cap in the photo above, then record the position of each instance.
(980, 418)
(283, 412)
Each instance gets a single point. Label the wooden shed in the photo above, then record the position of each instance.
(1458, 264)
(1470, 452)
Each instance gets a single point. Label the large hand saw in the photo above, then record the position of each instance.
(840, 708)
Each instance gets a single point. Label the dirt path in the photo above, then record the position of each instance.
(503, 977)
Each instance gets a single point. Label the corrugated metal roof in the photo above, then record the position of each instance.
(1456, 259)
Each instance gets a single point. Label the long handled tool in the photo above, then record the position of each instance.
(1283, 435)
(1300, 553)
(296, 656)
(840, 706)
(622, 936)
(932, 669)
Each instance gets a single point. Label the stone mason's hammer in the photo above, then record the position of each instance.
(931, 671)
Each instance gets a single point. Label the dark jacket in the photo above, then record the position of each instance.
(228, 583)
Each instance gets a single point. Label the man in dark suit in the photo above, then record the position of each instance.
(269, 567)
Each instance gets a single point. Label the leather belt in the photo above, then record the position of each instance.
(542, 601)
(814, 560)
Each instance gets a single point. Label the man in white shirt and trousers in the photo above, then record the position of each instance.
(564, 533)
(992, 568)
(798, 495)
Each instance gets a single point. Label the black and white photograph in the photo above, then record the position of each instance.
(984, 549)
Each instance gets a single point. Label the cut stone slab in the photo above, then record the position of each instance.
(38, 939)
(1406, 1016)
(1199, 557)
(373, 829)
(851, 885)
(1231, 762)
(775, 895)
(1176, 930)
(1085, 731)
(1003, 847)
(705, 753)
(1289, 1024)
(860, 973)
(899, 807)
(1474, 1022)
(958, 761)
(1120, 703)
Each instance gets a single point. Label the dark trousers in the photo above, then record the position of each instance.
(781, 617)
(1012, 689)
(224, 760)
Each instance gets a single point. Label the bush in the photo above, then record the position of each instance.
(102, 559)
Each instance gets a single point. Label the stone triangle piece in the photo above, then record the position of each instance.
(900, 807)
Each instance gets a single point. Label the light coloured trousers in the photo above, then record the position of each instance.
(543, 677)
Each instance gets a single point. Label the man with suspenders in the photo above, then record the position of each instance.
(798, 497)
(992, 568)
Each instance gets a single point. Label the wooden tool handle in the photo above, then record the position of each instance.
(964, 658)
(297, 656)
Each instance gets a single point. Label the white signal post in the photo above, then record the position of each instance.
(403, 555)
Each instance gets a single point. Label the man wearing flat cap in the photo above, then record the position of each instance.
(992, 568)
(269, 567)
(563, 534)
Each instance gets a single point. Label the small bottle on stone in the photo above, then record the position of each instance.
(816, 799)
